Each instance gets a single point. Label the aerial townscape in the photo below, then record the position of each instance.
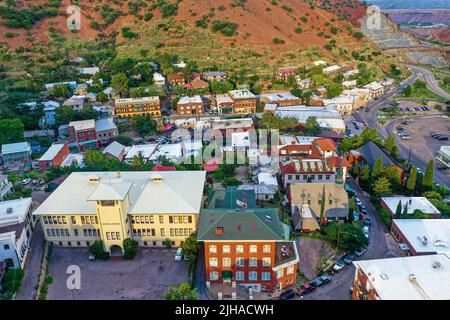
(224, 150)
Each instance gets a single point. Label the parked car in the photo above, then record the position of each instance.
(179, 254)
(367, 222)
(358, 202)
(443, 138)
(435, 134)
(349, 258)
(25, 181)
(338, 265)
(366, 231)
(305, 289)
(406, 137)
(351, 289)
(442, 168)
(320, 280)
(287, 295)
(359, 252)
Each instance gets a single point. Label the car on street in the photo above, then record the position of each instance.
(406, 137)
(367, 222)
(25, 181)
(443, 138)
(435, 134)
(442, 168)
(359, 252)
(179, 254)
(349, 258)
(287, 295)
(323, 279)
(338, 265)
(305, 289)
(366, 231)
(351, 289)
(358, 202)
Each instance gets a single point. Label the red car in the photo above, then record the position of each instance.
(305, 289)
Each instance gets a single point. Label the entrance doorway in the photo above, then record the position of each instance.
(116, 251)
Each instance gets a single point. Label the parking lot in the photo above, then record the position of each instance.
(420, 141)
(147, 277)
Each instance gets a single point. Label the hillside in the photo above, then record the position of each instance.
(263, 34)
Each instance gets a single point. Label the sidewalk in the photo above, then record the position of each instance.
(27, 290)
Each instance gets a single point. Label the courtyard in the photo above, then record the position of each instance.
(147, 277)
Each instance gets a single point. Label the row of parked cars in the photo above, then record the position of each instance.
(422, 108)
(439, 136)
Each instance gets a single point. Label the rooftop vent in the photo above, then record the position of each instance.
(9, 211)
(436, 264)
(412, 277)
(219, 230)
(423, 239)
(94, 178)
(156, 178)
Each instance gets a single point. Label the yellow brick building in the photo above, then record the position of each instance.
(131, 107)
(148, 207)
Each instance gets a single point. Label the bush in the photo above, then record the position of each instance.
(130, 248)
(98, 251)
(167, 243)
(12, 281)
(227, 28)
(278, 41)
(201, 24)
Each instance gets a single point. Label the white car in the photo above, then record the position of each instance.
(25, 181)
(366, 231)
(179, 255)
(358, 202)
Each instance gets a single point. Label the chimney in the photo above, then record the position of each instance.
(119, 174)
(410, 201)
(219, 230)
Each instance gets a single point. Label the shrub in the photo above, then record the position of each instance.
(130, 248)
(227, 28)
(298, 30)
(358, 35)
(98, 251)
(278, 41)
(201, 24)
(12, 281)
(167, 243)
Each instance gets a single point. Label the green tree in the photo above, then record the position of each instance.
(11, 130)
(120, 83)
(351, 210)
(429, 175)
(365, 173)
(312, 127)
(346, 237)
(97, 249)
(65, 114)
(167, 243)
(182, 291)
(322, 206)
(356, 168)
(382, 186)
(405, 211)
(61, 91)
(124, 140)
(398, 211)
(130, 248)
(144, 125)
(391, 146)
(190, 250)
(411, 182)
(377, 167)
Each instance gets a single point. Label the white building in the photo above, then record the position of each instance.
(376, 89)
(320, 63)
(422, 236)
(89, 70)
(331, 69)
(412, 203)
(443, 155)
(407, 278)
(73, 158)
(16, 226)
(328, 118)
(343, 104)
(6, 186)
(16, 153)
(145, 151)
(158, 79)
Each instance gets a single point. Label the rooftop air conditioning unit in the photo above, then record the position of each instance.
(436, 264)
(9, 211)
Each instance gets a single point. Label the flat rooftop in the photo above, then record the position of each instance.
(13, 211)
(279, 96)
(189, 100)
(426, 235)
(420, 203)
(424, 277)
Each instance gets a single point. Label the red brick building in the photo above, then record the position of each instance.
(54, 156)
(245, 245)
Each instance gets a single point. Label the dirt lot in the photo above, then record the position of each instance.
(146, 277)
(311, 253)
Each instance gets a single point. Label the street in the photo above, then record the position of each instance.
(339, 287)
(370, 112)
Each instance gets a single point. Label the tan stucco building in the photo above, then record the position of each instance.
(149, 207)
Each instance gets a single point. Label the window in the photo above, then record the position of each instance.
(170, 219)
(64, 220)
(280, 273)
(253, 276)
(73, 219)
(189, 219)
(265, 276)
(253, 248)
(212, 249)
(266, 262)
(226, 249)
(213, 275)
(240, 276)
(163, 233)
(226, 262)
(290, 270)
(185, 219)
(240, 262)
(82, 220)
(152, 220)
(240, 248)
(161, 219)
(266, 248)
(253, 262)
(75, 231)
(45, 219)
(213, 262)
(147, 219)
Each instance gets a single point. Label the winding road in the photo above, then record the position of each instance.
(369, 116)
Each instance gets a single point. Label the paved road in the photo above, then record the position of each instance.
(339, 287)
(27, 290)
(369, 115)
(430, 80)
(200, 273)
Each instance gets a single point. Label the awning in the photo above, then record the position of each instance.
(227, 275)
